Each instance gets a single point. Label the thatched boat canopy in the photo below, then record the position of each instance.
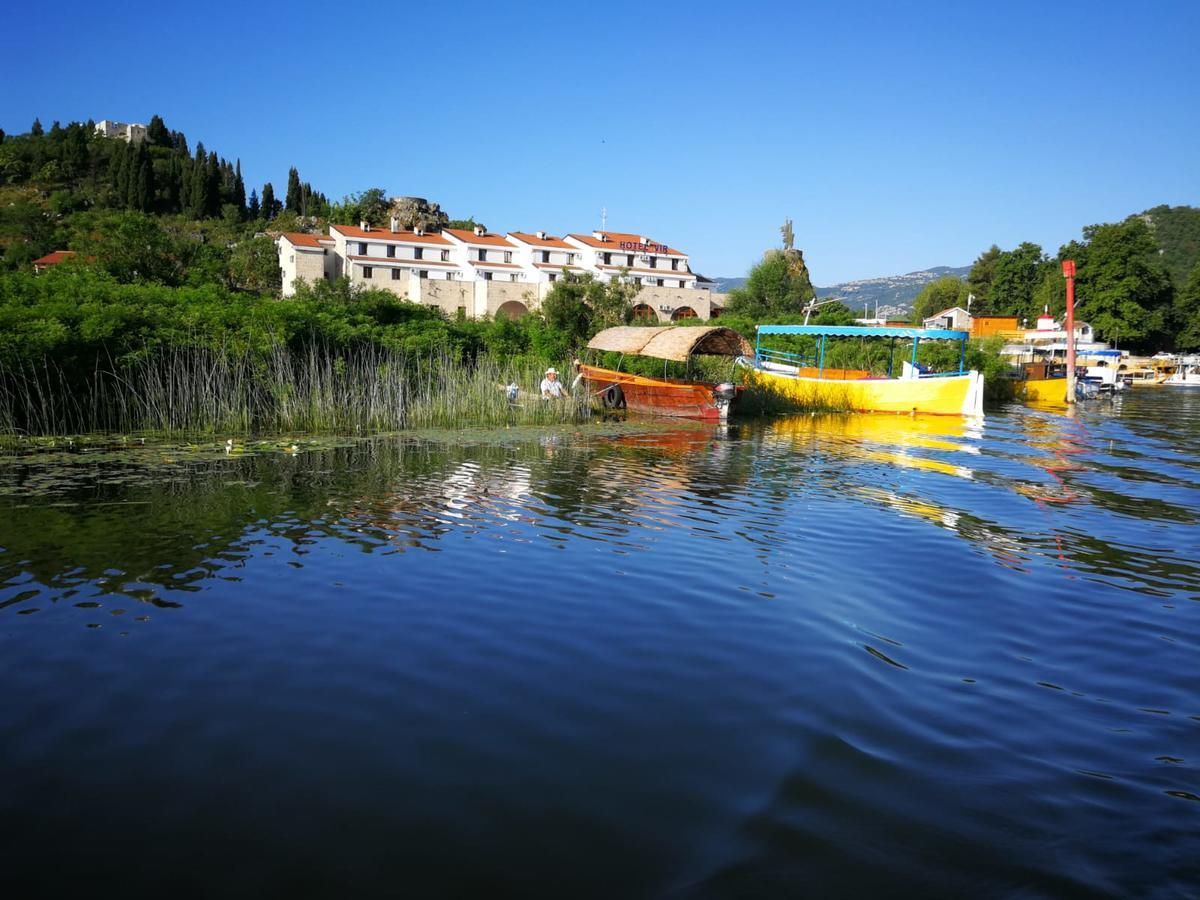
(676, 342)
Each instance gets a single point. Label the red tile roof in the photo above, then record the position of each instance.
(614, 240)
(547, 241)
(384, 234)
(487, 238)
(54, 258)
(303, 239)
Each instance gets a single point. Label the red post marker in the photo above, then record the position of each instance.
(1068, 268)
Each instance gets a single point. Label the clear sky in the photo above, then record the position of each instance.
(897, 136)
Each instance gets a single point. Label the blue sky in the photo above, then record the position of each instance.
(896, 136)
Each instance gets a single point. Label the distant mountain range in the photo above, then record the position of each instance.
(894, 294)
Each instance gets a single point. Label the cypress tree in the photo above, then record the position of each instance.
(213, 178)
(1, 135)
(145, 184)
(185, 183)
(201, 196)
(252, 209)
(120, 173)
(239, 190)
(291, 201)
(268, 201)
(157, 133)
(56, 130)
(36, 128)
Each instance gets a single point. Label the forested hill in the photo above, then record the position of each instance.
(1138, 280)
(49, 177)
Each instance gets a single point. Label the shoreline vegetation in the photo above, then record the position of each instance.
(81, 353)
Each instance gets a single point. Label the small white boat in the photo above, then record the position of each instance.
(1187, 372)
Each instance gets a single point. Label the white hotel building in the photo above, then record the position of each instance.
(479, 273)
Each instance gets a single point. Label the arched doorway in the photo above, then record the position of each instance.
(643, 313)
(511, 309)
(684, 312)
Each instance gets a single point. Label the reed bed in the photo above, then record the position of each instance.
(314, 389)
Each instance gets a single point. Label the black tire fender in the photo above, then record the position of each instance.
(613, 397)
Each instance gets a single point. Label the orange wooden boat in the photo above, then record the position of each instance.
(705, 400)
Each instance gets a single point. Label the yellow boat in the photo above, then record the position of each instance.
(915, 392)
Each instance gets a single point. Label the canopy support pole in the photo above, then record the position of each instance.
(962, 356)
(821, 363)
(891, 356)
(916, 341)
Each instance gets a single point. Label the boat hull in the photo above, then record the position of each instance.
(1045, 391)
(949, 395)
(658, 396)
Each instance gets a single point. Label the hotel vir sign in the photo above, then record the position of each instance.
(638, 247)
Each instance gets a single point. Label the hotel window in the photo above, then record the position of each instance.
(391, 251)
(418, 252)
(607, 258)
(487, 276)
(482, 254)
(659, 282)
(366, 271)
(630, 258)
(545, 256)
(654, 262)
(362, 248)
(423, 273)
(674, 265)
(395, 274)
(553, 278)
(508, 256)
(445, 256)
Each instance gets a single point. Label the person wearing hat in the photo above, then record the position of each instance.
(552, 388)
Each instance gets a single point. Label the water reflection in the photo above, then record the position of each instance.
(802, 649)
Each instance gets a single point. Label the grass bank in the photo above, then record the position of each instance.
(316, 390)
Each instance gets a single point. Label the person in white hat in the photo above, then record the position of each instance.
(552, 388)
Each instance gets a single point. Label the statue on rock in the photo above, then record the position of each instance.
(797, 269)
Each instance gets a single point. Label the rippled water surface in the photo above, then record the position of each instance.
(812, 657)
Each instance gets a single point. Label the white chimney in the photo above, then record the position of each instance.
(419, 229)
(479, 231)
(364, 225)
(541, 235)
(599, 235)
(644, 239)
(395, 224)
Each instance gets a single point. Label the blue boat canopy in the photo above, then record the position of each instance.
(944, 334)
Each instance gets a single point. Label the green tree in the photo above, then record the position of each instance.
(36, 128)
(1016, 275)
(270, 206)
(1122, 288)
(979, 279)
(157, 132)
(292, 199)
(132, 247)
(776, 286)
(239, 190)
(254, 266)
(1187, 312)
(252, 208)
(945, 293)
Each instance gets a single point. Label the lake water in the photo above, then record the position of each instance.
(811, 657)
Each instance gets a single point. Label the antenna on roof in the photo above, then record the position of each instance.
(603, 218)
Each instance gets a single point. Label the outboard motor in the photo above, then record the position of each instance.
(723, 396)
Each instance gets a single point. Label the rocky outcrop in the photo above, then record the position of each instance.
(418, 212)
